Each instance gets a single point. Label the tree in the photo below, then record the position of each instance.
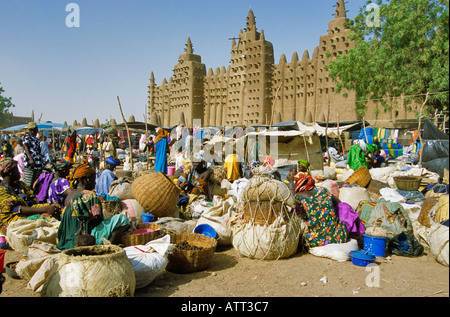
(404, 55)
(5, 104)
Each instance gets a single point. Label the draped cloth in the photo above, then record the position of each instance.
(161, 147)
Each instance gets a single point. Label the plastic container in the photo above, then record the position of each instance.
(375, 245)
(361, 258)
(147, 217)
(206, 230)
(2, 260)
(170, 170)
(3, 243)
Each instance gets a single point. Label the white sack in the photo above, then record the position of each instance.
(336, 251)
(23, 232)
(148, 260)
(438, 242)
(353, 195)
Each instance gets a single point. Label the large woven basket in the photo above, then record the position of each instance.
(374, 188)
(262, 212)
(142, 238)
(361, 177)
(188, 261)
(410, 183)
(156, 193)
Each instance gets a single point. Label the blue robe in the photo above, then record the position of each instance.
(161, 156)
(104, 181)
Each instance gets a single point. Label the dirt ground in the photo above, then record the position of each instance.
(302, 275)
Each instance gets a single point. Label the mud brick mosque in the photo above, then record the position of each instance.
(253, 90)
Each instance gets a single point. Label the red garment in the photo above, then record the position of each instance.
(70, 147)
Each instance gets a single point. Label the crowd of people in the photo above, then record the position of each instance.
(71, 189)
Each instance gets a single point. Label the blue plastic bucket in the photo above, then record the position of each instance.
(375, 245)
(206, 230)
(147, 217)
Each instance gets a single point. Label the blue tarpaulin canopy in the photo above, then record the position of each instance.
(41, 126)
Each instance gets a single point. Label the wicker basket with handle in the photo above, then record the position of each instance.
(156, 193)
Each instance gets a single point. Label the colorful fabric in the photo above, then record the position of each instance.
(268, 161)
(42, 185)
(74, 218)
(30, 175)
(356, 158)
(324, 226)
(232, 167)
(56, 191)
(104, 181)
(304, 182)
(304, 163)
(62, 164)
(112, 161)
(82, 171)
(34, 147)
(196, 185)
(161, 147)
(161, 134)
(6, 165)
(350, 218)
(70, 146)
(10, 201)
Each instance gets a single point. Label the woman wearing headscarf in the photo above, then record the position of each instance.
(195, 179)
(16, 199)
(316, 205)
(106, 176)
(83, 212)
(162, 145)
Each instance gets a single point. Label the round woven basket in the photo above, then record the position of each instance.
(142, 238)
(410, 183)
(156, 193)
(191, 260)
(262, 212)
(361, 177)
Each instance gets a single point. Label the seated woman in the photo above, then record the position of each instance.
(316, 205)
(195, 180)
(106, 176)
(16, 199)
(83, 213)
(59, 186)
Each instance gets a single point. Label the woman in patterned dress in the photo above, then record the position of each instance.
(83, 215)
(316, 205)
(16, 199)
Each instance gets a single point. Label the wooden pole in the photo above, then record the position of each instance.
(146, 131)
(326, 133)
(128, 133)
(418, 129)
(340, 138)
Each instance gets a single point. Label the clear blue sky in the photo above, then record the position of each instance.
(68, 74)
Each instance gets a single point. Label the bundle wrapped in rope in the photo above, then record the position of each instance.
(265, 225)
